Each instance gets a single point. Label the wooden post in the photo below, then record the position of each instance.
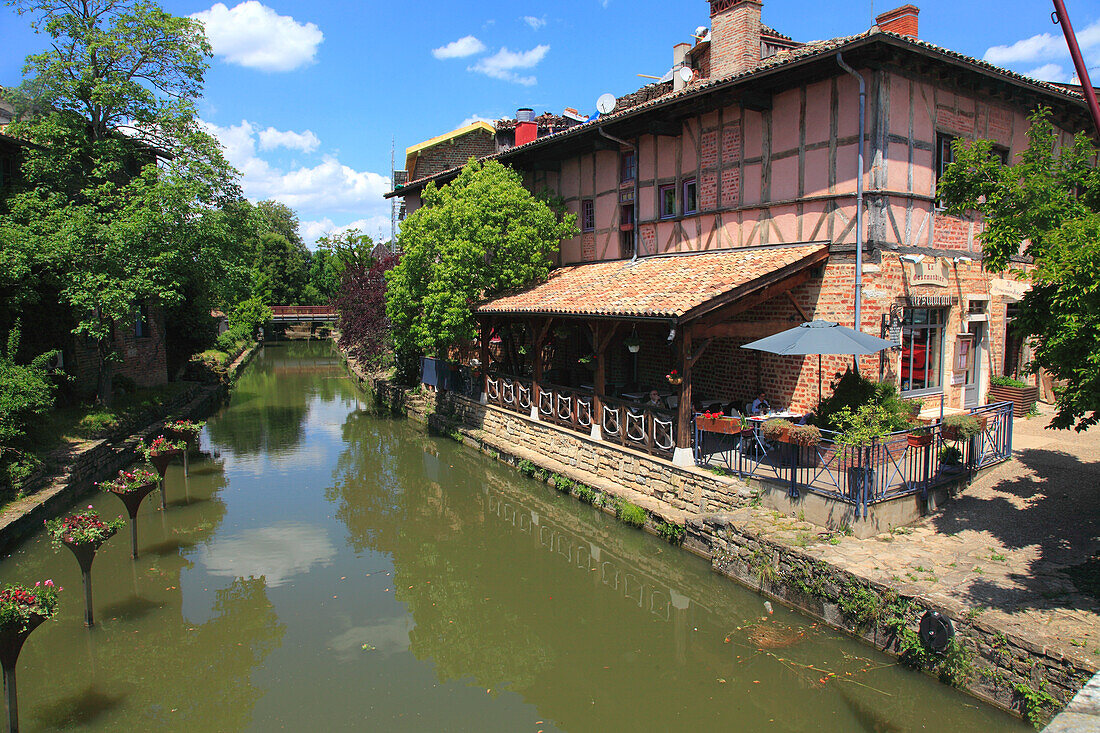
(683, 455)
(538, 333)
(484, 334)
(598, 383)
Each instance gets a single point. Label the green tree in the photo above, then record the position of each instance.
(280, 271)
(475, 238)
(1045, 207)
(98, 217)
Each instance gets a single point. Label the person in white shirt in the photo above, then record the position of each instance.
(760, 405)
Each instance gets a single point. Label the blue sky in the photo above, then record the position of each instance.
(306, 96)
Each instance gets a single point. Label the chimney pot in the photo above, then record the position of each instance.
(734, 36)
(902, 21)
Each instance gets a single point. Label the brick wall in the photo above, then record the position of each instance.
(453, 153)
(142, 359)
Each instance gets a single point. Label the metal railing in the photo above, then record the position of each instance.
(893, 465)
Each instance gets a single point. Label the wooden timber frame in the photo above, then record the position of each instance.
(694, 332)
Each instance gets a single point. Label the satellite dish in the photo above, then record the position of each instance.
(606, 104)
(685, 74)
(701, 31)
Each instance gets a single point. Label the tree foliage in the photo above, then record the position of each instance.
(99, 219)
(1046, 207)
(475, 238)
(361, 305)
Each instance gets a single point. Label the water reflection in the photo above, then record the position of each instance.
(277, 553)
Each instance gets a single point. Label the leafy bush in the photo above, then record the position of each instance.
(674, 533)
(586, 494)
(950, 455)
(862, 425)
(853, 391)
(631, 514)
(805, 435)
(26, 392)
(998, 380)
(965, 426)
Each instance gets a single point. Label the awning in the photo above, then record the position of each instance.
(677, 287)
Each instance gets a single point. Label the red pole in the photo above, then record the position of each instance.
(1078, 63)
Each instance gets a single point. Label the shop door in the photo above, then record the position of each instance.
(972, 391)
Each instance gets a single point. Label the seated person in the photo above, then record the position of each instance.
(654, 399)
(760, 405)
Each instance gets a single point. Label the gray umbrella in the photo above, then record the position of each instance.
(820, 337)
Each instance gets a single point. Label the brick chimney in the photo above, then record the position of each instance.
(734, 36)
(902, 21)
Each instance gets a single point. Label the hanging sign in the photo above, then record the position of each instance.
(1013, 289)
(931, 271)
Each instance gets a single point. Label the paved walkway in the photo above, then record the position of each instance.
(1015, 547)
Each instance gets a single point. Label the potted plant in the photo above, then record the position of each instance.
(920, 437)
(562, 332)
(22, 610)
(131, 487)
(633, 343)
(588, 361)
(83, 533)
(961, 427)
(160, 453)
(674, 378)
(806, 436)
(777, 430)
(1021, 394)
(950, 458)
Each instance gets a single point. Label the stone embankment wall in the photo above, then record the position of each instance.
(1002, 668)
(99, 460)
(686, 490)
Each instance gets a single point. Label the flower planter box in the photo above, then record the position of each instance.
(724, 425)
(921, 440)
(951, 432)
(1022, 398)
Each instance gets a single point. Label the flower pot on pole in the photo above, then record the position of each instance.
(186, 432)
(24, 610)
(160, 453)
(131, 487)
(83, 534)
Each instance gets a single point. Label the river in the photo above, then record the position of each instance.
(327, 568)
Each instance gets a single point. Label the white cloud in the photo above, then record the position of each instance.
(1047, 47)
(503, 63)
(377, 227)
(465, 46)
(253, 35)
(1048, 72)
(306, 141)
(534, 22)
(475, 118)
(278, 553)
(317, 192)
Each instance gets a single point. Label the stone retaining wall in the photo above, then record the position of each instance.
(99, 460)
(1004, 669)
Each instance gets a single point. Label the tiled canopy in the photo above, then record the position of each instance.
(669, 286)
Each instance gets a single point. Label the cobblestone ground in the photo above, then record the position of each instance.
(1006, 548)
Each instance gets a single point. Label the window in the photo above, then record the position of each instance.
(626, 217)
(666, 196)
(1001, 153)
(691, 199)
(141, 323)
(922, 349)
(944, 157)
(588, 215)
(628, 166)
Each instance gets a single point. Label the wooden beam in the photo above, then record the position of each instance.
(797, 307)
(603, 342)
(683, 426)
(699, 350)
(739, 305)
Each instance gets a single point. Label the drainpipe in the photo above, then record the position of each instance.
(637, 170)
(1078, 62)
(859, 189)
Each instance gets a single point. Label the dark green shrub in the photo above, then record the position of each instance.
(674, 533)
(526, 467)
(585, 494)
(852, 391)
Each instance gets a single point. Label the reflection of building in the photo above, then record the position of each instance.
(751, 155)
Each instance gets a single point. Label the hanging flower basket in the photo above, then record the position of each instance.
(633, 344)
(84, 530)
(22, 609)
(185, 431)
(161, 452)
(674, 378)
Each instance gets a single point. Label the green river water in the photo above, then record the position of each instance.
(324, 568)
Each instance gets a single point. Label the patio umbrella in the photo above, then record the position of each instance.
(820, 337)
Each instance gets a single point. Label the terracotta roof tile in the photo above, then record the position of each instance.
(667, 286)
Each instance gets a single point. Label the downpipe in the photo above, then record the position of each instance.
(859, 189)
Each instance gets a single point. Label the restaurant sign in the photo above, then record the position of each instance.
(931, 271)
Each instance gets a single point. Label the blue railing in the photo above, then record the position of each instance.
(897, 464)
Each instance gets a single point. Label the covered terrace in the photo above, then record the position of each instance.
(585, 348)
